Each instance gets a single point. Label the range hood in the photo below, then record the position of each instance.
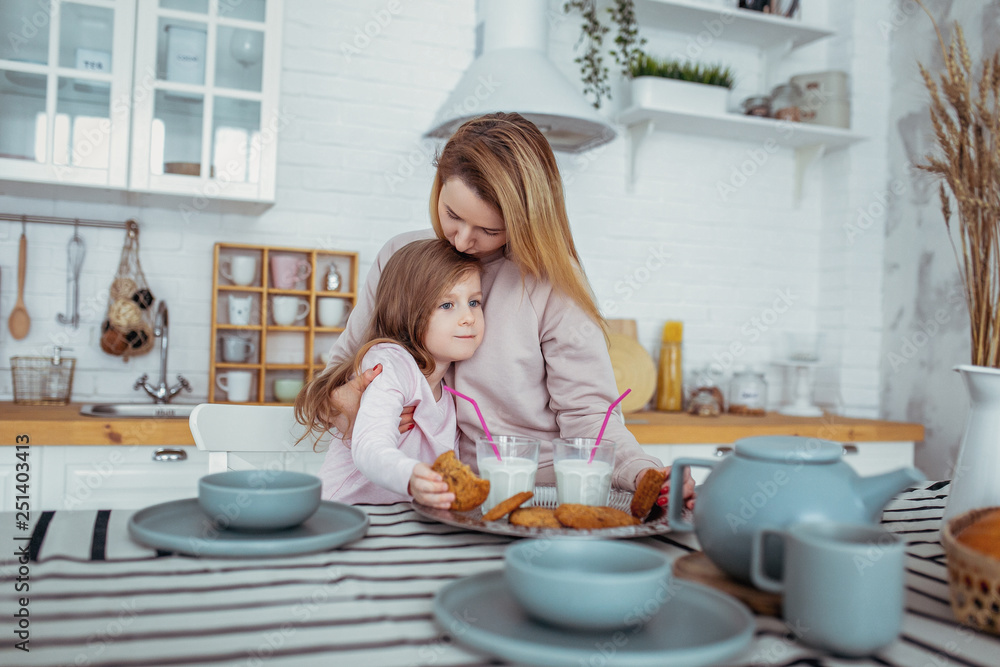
(513, 73)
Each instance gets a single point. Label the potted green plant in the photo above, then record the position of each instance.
(627, 44)
(680, 86)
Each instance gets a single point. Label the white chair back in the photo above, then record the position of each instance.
(242, 437)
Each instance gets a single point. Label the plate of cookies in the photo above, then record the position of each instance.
(538, 514)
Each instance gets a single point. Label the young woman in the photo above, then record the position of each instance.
(426, 314)
(543, 368)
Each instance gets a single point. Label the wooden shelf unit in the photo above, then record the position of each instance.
(267, 337)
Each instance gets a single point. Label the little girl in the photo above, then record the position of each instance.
(427, 314)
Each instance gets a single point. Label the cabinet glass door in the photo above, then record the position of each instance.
(61, 64)
(215, 82)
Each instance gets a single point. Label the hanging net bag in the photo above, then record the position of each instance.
(127, 330)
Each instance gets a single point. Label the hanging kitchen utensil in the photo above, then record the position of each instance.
(127, 330)
(75, 252)
(20, 322)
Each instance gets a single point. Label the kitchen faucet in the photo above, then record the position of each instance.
(162, 393)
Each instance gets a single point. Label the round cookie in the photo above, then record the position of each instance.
(505, 507)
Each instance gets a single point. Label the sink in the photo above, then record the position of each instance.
(138, 410)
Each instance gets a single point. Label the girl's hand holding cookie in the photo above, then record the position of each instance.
(429, 488)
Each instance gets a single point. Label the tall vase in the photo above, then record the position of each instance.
(976, 480)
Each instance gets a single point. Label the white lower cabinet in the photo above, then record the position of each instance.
(867, 458)
(131, 476)
(119, 476)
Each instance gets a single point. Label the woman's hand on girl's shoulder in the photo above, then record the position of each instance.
(346, 400)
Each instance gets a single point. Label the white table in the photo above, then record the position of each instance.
(98, 598)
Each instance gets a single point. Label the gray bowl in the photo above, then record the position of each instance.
(259, 499)
(587, 584)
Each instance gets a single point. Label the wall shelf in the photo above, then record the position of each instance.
(741, 26)
(278, 352)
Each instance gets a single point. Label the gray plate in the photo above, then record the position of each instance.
(181, 526)
(695, 626)
(545, 496)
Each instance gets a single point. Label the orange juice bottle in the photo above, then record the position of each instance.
(670, 383)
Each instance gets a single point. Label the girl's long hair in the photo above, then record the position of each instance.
(508, 163)
(412, 282)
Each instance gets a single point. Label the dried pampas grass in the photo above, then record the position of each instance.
(966, 117)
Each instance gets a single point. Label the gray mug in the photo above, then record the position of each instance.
(842, 584)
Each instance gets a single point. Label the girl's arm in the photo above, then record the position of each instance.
(374, 447)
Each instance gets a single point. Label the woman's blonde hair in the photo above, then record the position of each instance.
(508, 163)
(412, 282)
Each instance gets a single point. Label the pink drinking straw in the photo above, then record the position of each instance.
(603, 426)
(481, 420)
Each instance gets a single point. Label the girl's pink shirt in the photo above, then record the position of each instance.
(375, 467)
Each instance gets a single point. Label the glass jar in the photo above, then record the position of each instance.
(786, 102)
(757, 105)
(748, 393)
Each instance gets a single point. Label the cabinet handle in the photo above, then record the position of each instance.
(850, 449)
(169, 454)
(722, 451)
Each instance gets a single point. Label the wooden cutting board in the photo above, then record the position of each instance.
(698, 568)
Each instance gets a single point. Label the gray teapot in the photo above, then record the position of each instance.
(773, 482)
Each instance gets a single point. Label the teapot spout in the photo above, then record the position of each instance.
(876, 491)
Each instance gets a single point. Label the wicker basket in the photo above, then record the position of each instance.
(42, 380)
(973, 577)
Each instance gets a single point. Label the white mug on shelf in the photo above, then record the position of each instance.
(236, 384)
(239, 309)
(239, 269)
(330, 311)
(286, 310)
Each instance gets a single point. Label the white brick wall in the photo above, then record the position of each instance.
(353, 171)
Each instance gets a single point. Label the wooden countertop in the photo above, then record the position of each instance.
(675, 428)
(64, 425)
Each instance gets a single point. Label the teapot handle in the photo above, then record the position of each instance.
(675, 507)
(758, 576)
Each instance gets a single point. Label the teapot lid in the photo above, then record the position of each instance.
(789, 448)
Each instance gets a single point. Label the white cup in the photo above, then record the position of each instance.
(236, 384)
(236, 348)
(239, 269)
(581, 479)
(330, 311)
(286, 310)
(239, 309)
(513, 473)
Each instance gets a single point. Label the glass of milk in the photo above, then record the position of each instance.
(578, 481)
(513, 473)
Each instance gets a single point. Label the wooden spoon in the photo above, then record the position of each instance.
(20, 322)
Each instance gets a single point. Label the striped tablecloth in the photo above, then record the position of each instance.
(97, 598)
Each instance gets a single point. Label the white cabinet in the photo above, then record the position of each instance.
(867, 458)
(131, 476)
(65, 78)
(205, 116)
(170, 96)
(117, 477)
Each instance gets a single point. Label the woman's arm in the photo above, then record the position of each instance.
(581, 385)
